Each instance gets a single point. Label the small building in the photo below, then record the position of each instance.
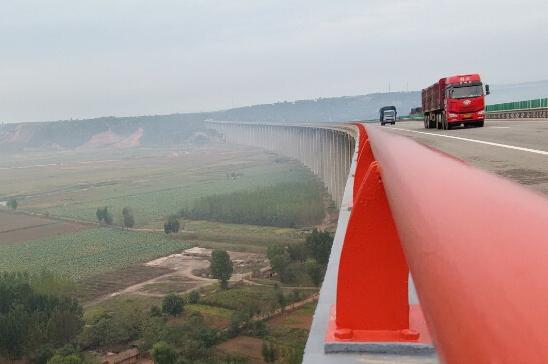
(125, 357)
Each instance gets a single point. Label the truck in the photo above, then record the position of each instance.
(454, 101)
(388, 115)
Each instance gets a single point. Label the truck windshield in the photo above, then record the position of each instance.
(465, 91)
(389, 113)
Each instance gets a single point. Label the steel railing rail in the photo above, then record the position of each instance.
(476, 245)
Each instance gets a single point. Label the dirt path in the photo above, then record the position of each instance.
(183, 270)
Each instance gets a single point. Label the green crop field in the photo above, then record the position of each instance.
(87, 252)
(152, 205)
(155, 183)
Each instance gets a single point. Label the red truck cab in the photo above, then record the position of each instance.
(453, 101)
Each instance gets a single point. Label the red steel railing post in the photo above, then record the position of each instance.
(372, 287)
(372, 281)
(365, 158)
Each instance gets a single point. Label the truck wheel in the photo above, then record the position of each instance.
(393, 123)
(382, 124)
(445, 123)
(480, 124)
(426, 122)
(439, 123)
(431, 123)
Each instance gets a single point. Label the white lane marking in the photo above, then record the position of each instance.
(499, 127)
(536, 151)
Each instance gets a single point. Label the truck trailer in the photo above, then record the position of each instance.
(453, 101)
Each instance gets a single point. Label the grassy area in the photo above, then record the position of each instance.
(261, 298)
(87, 252)
(207, 310)
(151, 206)
(153, 182)
(237, 237)
(121, 304)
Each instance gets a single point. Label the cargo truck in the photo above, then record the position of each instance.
(388, 115)
(453, 101)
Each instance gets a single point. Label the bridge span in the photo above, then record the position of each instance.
(475, 243)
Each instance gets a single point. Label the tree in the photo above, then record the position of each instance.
(172, 225)
(318, 245)
(129, 220)
(280, 261)
(314, 271)
(33, 323)
(221, 267)
(163, 353)
(297, 252)
(100, 213)
(103, 215)
(12, 204)
(172, 304)
(108, 217)
(66, 321)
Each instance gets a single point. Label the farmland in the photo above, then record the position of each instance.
(19, 227)
(84, 253)
(153, 182)
(55, 228)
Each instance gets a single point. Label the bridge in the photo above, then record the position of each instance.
(427, 215)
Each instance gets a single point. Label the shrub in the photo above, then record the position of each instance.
(172, 225)
(163, 353)
(172, 304)
(193, 297)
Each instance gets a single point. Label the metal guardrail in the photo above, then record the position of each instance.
(477, 262)
(527, 109)
(518, 105)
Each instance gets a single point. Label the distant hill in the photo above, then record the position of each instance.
(116, 132)
(331, 109)
(127, 132)
(518, 91)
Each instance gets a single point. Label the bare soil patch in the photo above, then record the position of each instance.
(177, 273)
(111, 282)
(250, 347)
(17, 227)
(10, 221)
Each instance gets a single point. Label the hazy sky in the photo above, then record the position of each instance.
(62, 59)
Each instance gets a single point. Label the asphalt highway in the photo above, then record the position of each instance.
(514, 149)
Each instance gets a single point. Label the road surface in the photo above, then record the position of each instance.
(515, 149)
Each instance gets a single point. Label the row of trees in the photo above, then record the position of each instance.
(36, 314)
(283, 205)
(104, 216)
(313, 254)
